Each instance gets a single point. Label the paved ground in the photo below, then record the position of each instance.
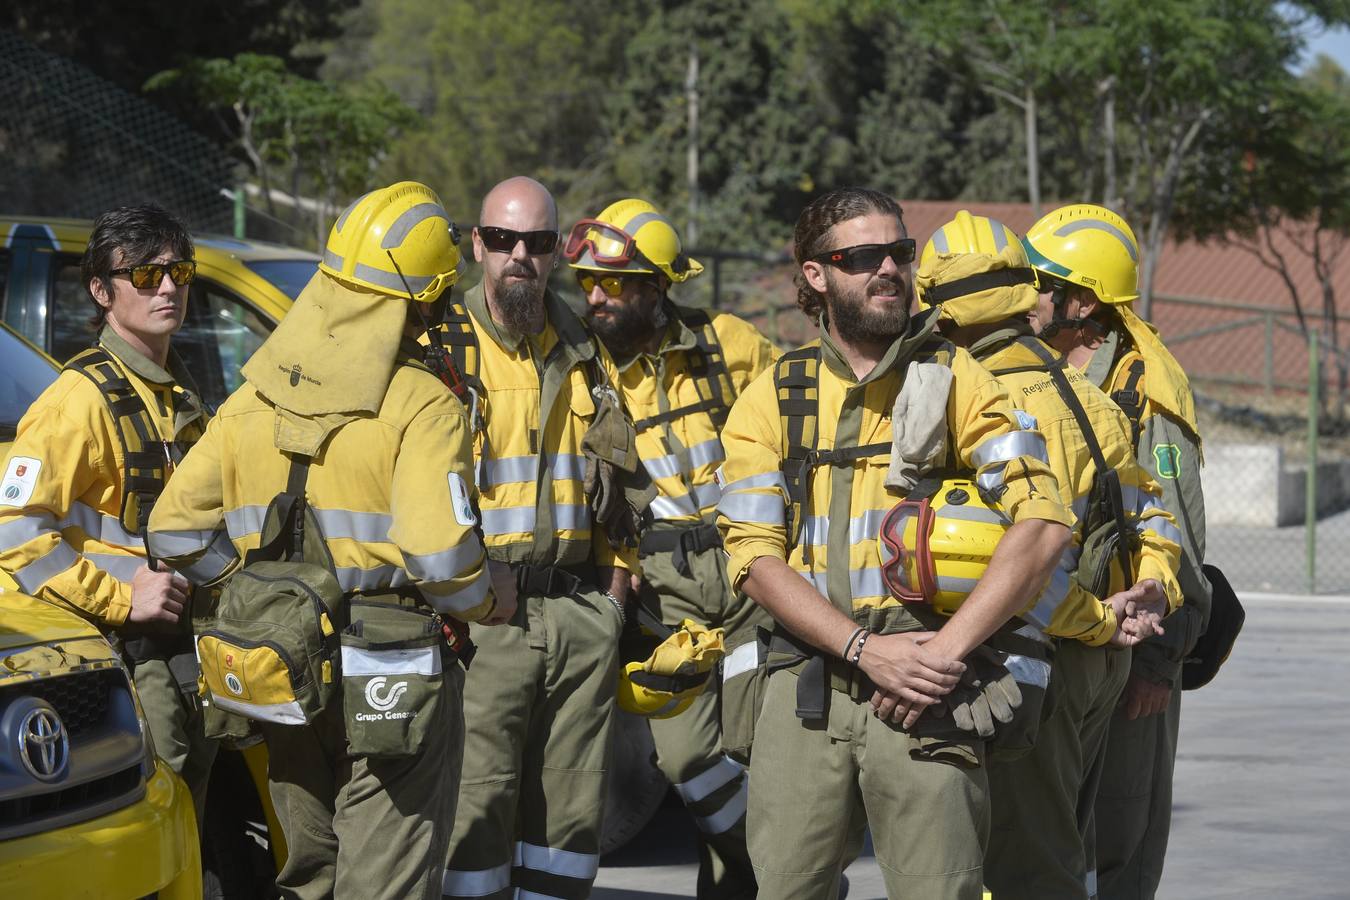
(1262, 802)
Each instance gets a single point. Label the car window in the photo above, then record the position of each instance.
(4, 274)
(71, 311)
(220, 334)
(23, 375)
(289, 275)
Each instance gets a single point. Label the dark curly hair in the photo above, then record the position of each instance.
(815, 227)
(139, 232)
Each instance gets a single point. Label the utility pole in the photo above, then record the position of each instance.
(691, 172)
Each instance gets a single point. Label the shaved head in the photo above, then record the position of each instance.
(519, 199)
(514, 280)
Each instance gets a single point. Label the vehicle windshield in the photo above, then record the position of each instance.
(24, 374)
(289, 275)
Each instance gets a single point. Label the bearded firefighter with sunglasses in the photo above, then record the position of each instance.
(91, 457)
(1086, 258)
(678, 370)
(975, 272)
(818, 450)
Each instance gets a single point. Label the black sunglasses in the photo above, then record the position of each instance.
(151, 275)
(504, 240)
(867, 257)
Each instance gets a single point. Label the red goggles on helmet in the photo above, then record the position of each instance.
(897, 557)
(609, 245)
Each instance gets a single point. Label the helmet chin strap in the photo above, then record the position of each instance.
(1059, 300)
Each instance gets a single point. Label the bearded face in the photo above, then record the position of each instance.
(870, 310)
(519, 293)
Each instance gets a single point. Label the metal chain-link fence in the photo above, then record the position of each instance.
(75, 145)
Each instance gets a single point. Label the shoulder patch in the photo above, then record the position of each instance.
(459, 499)
(20, 479)
(1025, 420)
(1167, 458)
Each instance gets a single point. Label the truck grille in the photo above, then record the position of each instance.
(81, 700)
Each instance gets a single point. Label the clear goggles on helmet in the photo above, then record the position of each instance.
(609, 245)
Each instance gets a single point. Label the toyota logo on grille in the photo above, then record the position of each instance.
(44, 744)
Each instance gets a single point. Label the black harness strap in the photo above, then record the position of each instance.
(707, 366)
(1131, 401)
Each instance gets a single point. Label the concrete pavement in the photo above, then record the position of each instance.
(1262, 795)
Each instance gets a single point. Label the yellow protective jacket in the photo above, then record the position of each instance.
(1168, 448)
(390, 491)
(534, 407)
(679, 398)
(61, 537)
(838, 549)
(1066, 609)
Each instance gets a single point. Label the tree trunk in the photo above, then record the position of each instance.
(1033, 154)
(1110, 195)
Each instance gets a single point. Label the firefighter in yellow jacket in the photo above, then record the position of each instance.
(975, 270)
(845, 737)
(678, 370)
(92, 455)
(340, 383)
(1087, 260)
(540, 700)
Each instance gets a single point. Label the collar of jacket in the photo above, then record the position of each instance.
(897, 356)
(678, 336)
(1103, 360)
(564, 321)
(995, 341)
(147, 369)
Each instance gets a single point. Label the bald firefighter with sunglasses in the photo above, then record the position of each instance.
(679, 369)
(93, 455)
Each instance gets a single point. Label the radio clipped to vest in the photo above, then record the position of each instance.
(270, 654)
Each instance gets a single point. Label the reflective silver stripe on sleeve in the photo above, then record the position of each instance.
(446, 564)
(767, 479)
(508, 470)
(728, 815)
(1025, 670)
(475, 883)
(358, 662)
(673, 507)
(22, 529)
(220, 553)
(244, 521)
(1031, 632)
(760, 509)
(722, 773)
(458, 601)
(123, 568)
(1051, 598)
(355, 578)
(1009, 446)
(699, 455)
(38, 572)
(103, 528)
(1163, 528)
(743, 659)
(567, 863)
(367, 527)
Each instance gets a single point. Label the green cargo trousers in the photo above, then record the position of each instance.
(1040, 845)
(539, 702)
(1134, 803)
(689, 745)
(366, 828)
(176, 728)
(818, 785)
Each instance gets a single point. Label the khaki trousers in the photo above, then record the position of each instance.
(1134, 803)
(365, 828)
(689, 746)
(816, 786)
(1040, 845)
(176, 728)
(539, 703)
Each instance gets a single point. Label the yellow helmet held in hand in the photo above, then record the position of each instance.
(666, 683)
(396, 240)
(1089, 246)
(936, 544)
(630, 236)
(975, 270)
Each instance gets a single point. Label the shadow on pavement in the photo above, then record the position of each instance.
(624, 894)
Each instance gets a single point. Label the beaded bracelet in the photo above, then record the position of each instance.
(857, 652)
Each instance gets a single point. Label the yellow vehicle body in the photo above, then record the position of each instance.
(131, 833)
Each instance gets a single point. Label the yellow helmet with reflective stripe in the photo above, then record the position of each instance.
(394, 235)
(935, 549)
(975, 270)
(666, 683)
(630, 236)
(1089, 246)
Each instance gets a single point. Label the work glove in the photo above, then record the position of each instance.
(618, 488)
(987, 695)
(918, 425)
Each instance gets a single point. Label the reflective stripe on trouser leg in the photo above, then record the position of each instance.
(499, 692)
(562, 793)
(1134, 807)
(1039, 846)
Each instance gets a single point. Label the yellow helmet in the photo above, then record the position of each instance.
(975, 270)
(403, 229)
(630, 236)
(666, 683)
(934, 549)
(1088, 246)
